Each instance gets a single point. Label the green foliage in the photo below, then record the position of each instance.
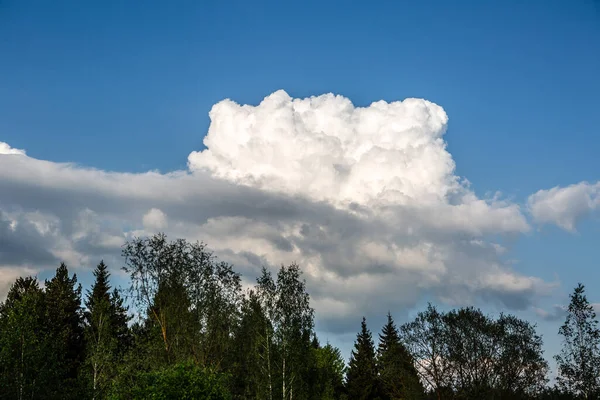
(197, 336)
(183, 381)
(330, 370)
(25, 354)
(66, 335)
(362, 377)
(192, 301)
(106, 332)
(248, 357)
(472, 356)
(286, 306)
(579, 361)
(397, 374)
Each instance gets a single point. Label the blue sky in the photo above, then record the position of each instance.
(128, 87)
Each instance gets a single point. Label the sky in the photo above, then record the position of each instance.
(400, 152)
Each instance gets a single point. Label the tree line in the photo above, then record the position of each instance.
(193, 332)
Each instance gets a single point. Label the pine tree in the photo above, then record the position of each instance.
(106, 330)
(361, 379)
(579, 360)
(65, 323)
(397, 373)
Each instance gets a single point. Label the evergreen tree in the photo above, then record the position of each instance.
(24, 350)
(330, 369)
(120, 322)
(579, 361)
(362, 376)
(249, 368)
(65, 323)
(397, 373)
(106, 331)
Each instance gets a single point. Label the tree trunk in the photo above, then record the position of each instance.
(95, 379)
(283, 374)
(269, 365)
(22, 366)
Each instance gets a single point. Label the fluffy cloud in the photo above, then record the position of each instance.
(6, 149)
(383, 157)
(365, 199)
(154, 220)
(564, 206)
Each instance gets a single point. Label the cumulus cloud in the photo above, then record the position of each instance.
(382, 157)
(564, 206)
(327, 149)
(6, 149)
(366, 200)
(154, 220)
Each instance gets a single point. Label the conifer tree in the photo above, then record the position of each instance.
(65, 324)
(397, 374)
(579, 360)
(330, 369)
(249, 362)
(361, 379)
(106, 331)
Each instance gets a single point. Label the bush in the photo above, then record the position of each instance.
(181, 381)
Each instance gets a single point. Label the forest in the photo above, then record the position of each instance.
(185, 328)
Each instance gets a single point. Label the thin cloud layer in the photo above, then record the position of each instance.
(564, 206)
(365, 199)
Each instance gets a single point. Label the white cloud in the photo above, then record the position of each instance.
(564, 206)
(155, 220)
(387, 155)
(325, 148)
(366, 200)
(8, 275)
(6, 149)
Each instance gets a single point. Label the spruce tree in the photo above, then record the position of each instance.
(579, 360)
(397, 374)
(361, 379)
(330, 368)
(106, 331)
(120, 321)
(248, 358)
(65, 324)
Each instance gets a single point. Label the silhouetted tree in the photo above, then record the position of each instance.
(425, 338)
(249, 362)
(25, 352)
(397, 373)
(362, 375)
(579, 360)
(106, 331)
(192, 301)
(65, 325)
